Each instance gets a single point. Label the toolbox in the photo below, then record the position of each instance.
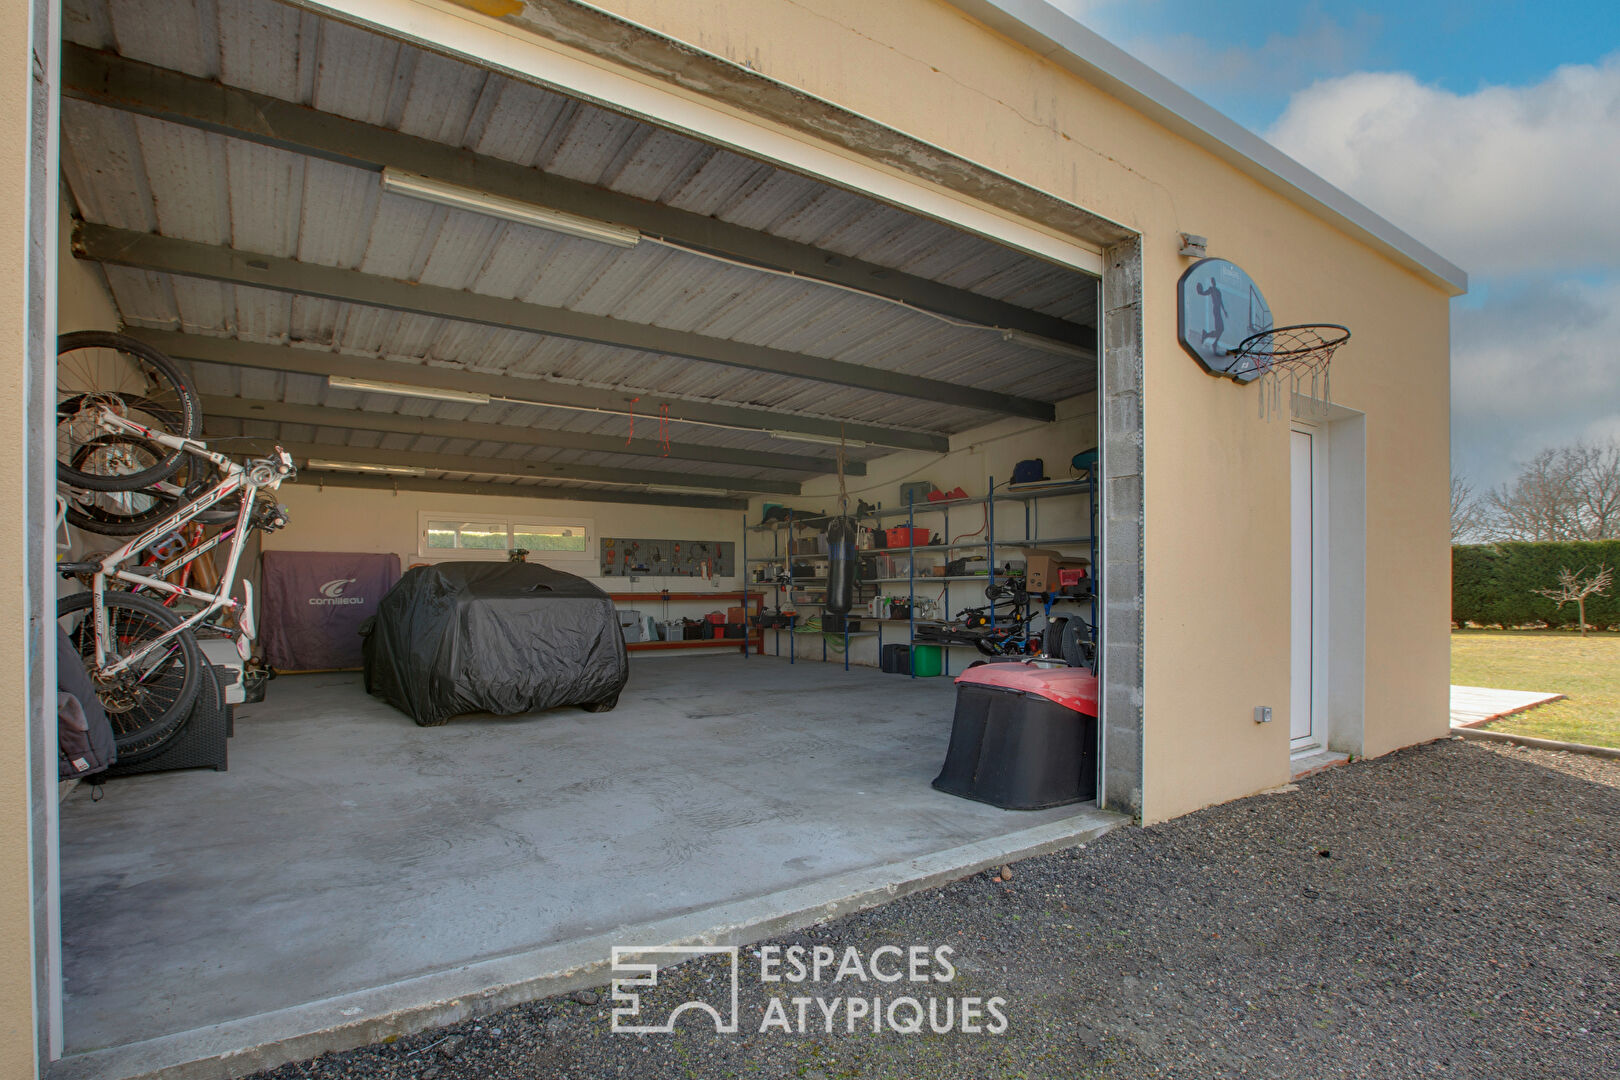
(905, 536)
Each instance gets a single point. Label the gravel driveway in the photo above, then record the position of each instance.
(1450, 910)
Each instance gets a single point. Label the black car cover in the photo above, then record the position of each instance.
(505, 638)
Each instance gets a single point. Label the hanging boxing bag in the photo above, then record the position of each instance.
(841, 565)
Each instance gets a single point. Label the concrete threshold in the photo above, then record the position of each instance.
(240, 1047)
(1312, 762)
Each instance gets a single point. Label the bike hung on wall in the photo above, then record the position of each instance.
(130, 463)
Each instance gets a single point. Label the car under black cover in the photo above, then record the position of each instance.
(504, 638)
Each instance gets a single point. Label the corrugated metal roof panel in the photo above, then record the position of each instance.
(497, 454)
(178, 34)
(301, 389)
(146, 175)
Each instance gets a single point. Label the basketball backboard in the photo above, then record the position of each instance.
(1217, 306)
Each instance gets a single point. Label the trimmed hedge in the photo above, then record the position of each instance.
(1491, 583)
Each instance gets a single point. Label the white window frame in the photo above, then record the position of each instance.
(574, 561)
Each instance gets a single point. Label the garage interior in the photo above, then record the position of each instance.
(625, 325)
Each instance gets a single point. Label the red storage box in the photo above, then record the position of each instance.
(716, 617)
(904, 537)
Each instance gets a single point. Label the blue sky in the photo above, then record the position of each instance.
(1489, 130)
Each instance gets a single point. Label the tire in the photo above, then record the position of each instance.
(114, 513)
(605, 705)
(146, 715)
(165, 400)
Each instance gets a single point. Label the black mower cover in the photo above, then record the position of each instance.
(505, 638)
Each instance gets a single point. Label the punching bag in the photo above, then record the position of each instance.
(841, 565)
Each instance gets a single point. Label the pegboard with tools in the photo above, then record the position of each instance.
(630, 557)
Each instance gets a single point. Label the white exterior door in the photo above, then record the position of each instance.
(1308, 564)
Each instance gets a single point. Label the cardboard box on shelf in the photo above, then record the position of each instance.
(1043, 568)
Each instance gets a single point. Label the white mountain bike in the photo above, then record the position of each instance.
(143, 653)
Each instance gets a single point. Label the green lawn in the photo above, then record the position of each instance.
(1586, 670)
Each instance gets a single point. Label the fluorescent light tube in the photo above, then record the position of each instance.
(458, 197)
(828, 440)
(673, 490)
(1035, 341)
(363, 467)
(374, 386)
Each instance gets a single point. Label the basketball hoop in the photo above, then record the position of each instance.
(1292, 354)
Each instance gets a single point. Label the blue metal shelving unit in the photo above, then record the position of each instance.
(1030, 498)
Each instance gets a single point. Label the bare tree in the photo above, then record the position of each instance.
(1574, 588)
(1566, 493)
(1597, 484)
(1465, 512)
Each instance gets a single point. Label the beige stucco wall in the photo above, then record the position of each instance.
(1217, 631)
(358, 519)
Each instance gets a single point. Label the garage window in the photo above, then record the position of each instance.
(463, 537)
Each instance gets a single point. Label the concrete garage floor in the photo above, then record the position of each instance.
(354, 875)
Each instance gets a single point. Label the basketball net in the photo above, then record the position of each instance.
(1297, 357)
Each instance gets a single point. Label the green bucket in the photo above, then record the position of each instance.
(927, 660)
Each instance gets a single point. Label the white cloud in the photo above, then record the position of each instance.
(1279, 63)
(1534, 368)
(1502, 180)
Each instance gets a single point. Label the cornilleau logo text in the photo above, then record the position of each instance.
(332, 593)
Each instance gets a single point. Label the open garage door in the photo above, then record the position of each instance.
(532, 278)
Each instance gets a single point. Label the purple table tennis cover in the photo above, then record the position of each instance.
(314, 602)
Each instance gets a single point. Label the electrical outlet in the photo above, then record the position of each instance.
(1262, 714)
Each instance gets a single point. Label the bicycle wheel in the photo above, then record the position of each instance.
(129, 513)
(149, 701)
(94, 369)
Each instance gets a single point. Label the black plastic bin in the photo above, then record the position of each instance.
(895, 659)
(1024, 737)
